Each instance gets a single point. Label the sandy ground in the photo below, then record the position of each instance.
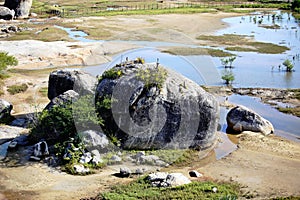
(264, 166)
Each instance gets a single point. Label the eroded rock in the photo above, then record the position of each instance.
(241, 119)
(61, 81)
(21, 7)
(142, 115)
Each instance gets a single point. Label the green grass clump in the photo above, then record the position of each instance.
(43, 91)
(186, 51)
(243, 43)
(141, 189)
(153, 77)
(15, 89)
(293, 111)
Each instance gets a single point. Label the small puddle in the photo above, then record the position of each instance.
(3, 150)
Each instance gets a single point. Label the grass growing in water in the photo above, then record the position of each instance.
(185, 51)
(243, 43)
(141, 189)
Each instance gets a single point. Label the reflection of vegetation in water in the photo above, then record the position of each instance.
(142, 189)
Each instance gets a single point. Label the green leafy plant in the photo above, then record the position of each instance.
(15, 89)
(295, 5)
(153, 76)
(112, 73)
(228, 77)
(6, 60)
(289, 65)
(227, 62)
(57, 123)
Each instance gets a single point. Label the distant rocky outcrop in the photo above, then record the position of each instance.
(21, 7)
(61, 81)
(146, 106)
(5, 109)
(6, 13)
(241, 119)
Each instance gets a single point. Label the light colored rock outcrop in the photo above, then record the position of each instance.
(6, 13)
(241, 119)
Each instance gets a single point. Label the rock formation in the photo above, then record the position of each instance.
(241, 119)
(21, 7)
(5, 109)
(6, 13)
(146, 106)
(61, 81)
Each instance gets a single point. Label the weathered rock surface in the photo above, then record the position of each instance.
(241, 119)
(6, 13)
(5, 109)
(162, 179)
(179, 114)
(61, 81)
(67, 97)
(95, 140)
(21, 7)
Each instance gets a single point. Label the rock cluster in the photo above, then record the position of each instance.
(163, 179)
(178, 113)
(61, 81)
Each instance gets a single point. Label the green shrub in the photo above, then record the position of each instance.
(111, 74)
(6, 60)
(153, 76)
(228, 77)
(288, 64)
(57, 124)
(295, 5)
(15, 89)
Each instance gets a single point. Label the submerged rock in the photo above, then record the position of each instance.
(146, 106)
(241, 119)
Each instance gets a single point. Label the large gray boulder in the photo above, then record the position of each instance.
(21, 7)
(170, 112)
(95, 140)
(67, 97)
(6, 13)
(241, 119)
(5, 109)
(61, 81)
